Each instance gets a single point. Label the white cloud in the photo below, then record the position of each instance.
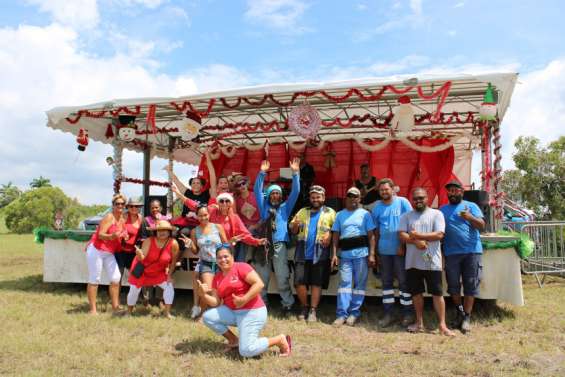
(537, 108)
(282, 15)
(416, 7)
(398, 18)
(459, 4)
(43, 67)
(79, 14)
(151, 4)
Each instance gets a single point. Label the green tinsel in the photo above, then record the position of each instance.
(76, 235)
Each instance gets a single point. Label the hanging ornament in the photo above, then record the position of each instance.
(191, 126)
(109, 132)
(109, 160)
(488, 108)
(127, 127)
(82, 139)
(305, 121)
(403, 119)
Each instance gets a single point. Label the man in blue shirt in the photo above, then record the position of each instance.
(386, 215)
(313, 226)
(272, 201)
(463, 250)
(353, 235)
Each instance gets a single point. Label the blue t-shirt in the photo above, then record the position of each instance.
(386, 217)
(311, 239)
(460, 236)
(353, 224)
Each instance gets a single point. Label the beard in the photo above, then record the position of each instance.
(454, 199)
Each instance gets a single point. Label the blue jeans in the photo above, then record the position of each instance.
(282, 273)
(392, 265)
(353, 275)
(249, 324)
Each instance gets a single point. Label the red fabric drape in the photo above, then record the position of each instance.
(408, 168)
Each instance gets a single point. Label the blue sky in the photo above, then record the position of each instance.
(57, 52)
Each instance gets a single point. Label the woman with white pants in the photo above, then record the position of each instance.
(100, 254)
(158, 255)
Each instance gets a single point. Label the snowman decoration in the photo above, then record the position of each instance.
(127, 132)
(403, 119)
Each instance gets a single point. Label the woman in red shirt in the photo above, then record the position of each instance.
(158, 255)
(100, 253)
(132, 225)
(236, 301)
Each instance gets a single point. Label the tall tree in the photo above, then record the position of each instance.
(8, 193)
(40, 182)
(538, 182)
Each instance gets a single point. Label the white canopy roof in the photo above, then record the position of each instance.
(268, 104)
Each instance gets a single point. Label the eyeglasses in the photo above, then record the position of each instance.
(419, 198)
(352, 196)
(119, 203)
(224, 201)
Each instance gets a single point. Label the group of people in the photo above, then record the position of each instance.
(240, 236)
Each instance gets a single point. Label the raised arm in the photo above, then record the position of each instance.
(258, 187)
(212, 175)
(191, 204)
(295, 190)
(175, 179)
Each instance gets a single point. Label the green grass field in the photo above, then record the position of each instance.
(46, 332)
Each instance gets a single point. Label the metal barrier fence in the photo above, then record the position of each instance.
(549, 251)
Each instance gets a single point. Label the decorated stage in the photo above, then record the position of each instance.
(64, 261)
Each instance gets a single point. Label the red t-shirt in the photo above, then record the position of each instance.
(234, 283)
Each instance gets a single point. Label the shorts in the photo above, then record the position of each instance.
(463, 267)
(415, 280)
(307, 273)
(124, 259)
(204, 267)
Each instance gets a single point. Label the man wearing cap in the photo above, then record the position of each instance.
(272, 202)
(367, 184)
(313, 225)
(353, 235)
(422, 230)
(386, 215)
(246, 207)
(463, 250)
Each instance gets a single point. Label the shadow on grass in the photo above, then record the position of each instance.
(205, 346)
(35, 284)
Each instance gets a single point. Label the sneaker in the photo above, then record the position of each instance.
(339, 321)
(386, 321)
(195, 312)
(287, 311)
(312, 315)
(466, 324)
(408, 319)
(351, 320)
(458, 320)
(303, 314)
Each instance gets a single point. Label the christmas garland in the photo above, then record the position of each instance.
(442, 92)
(41, 233)
(143, 182)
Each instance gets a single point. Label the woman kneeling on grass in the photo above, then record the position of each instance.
(100, 250)
(158, 255)
(236, 301)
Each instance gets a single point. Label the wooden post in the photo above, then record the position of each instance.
(146, 178)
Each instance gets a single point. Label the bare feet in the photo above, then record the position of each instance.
(285, 346)
(443, 330)
(415, 328)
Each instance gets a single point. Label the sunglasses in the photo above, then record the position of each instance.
(240, 184)
(419, 198)
(224, 201)
(352, 196)
(119, 203)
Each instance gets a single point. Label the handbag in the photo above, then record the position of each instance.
(140, 267)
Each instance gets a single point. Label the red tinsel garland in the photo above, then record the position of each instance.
(100, 114)
(157, 131)
(141, 182)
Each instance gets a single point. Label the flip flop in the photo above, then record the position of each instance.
(289, 351)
